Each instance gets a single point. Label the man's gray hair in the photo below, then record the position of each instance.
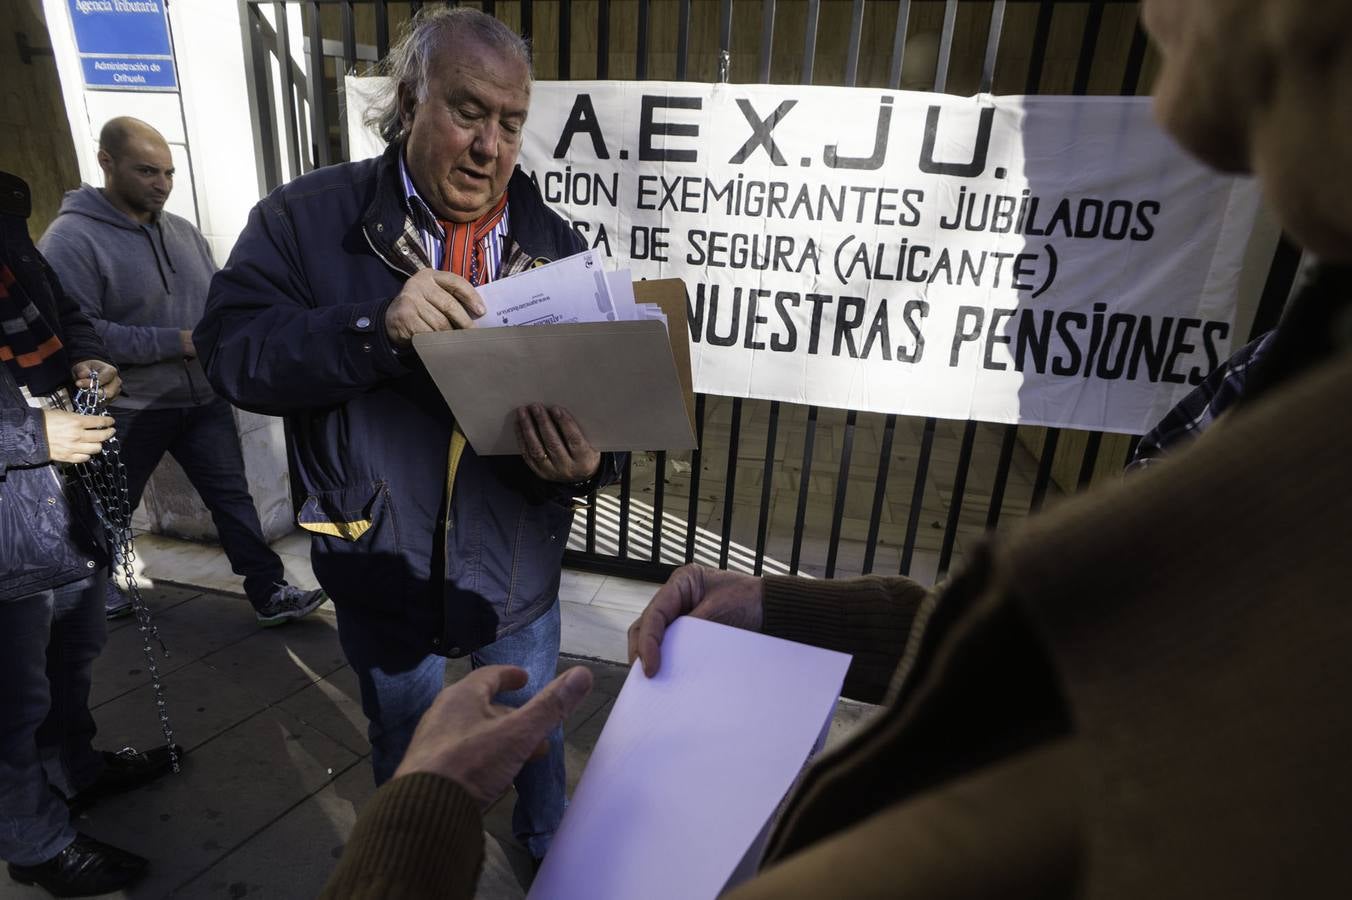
(409, 62)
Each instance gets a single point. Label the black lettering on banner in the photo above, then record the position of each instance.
(913, 313)
(1181, 347)
(1212, 332)
(993, 337)
(753, 320)
(760, 132)
(1033, 339)
(879, 332)
(962, 335)
(648, 128)
(1153, 352)
(849, 316)
(790, 343)
(648, 243)
(1113, 370)
(833, 159)
(815, 333)
(582, 118)
(980, 147)
(1069, 365)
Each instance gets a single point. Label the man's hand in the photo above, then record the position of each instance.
(482, 746)
(73, 438)
(432, 301)
(553, 445)
(729, 598)
(109, 380)
(189, 348)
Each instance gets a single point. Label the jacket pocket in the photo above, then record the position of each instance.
(355, 548)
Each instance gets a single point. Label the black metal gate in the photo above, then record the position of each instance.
(775, 487)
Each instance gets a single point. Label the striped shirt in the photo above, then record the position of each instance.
(492, 246)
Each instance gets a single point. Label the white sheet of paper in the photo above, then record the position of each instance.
(691, 765)
(566, 291)
(621, 286)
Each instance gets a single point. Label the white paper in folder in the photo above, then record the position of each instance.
(691, 765)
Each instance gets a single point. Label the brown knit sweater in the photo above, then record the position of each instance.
(1144, 693)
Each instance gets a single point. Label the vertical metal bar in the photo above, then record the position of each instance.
(1131, 449)
(730, 482)
(565, 39)
(1044, 469)
(767, 487)
(682, 39)
(591, 523)
(382, 29)
(945, 46)
(349, 38)
(659, 497)
(899, 44)
(626, 480)
(1093, 23)
(1277, 288)
(1131, 76)
(804, 482)
(955, 502)
(1091, 452)
(856, 34)
(319, 114)
(271, 158)
(1001, 475)
(879, 494)
(767, 43)
(917, 496)
(288, 88)
(725, 26)
(842, 485)
(603, 39)
(810, 39)
(992, 46)
(491, 7)
(527, 18)
(1041, 34)
(691, 526)
(641, 63)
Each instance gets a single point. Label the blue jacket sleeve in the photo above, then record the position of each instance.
(268, 347)
(23, 438)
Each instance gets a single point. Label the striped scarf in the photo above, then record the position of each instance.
(470, 250)
(29, 347)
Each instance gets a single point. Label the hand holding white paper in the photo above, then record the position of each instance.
(691, 765)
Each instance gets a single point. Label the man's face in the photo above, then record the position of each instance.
(463, 139)
(141, 176)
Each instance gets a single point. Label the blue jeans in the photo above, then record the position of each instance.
(205, 443)
(48, 644)
(399, 684)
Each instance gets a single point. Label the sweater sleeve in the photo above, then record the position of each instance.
(420, 836)
(126, 344)
(869, 618)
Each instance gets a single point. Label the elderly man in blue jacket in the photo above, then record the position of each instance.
(427, 549)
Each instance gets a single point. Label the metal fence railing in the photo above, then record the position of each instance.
(774, 487)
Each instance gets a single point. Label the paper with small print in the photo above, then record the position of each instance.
(691, 765)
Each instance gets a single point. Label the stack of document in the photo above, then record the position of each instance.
(566, 292)
(595, 351)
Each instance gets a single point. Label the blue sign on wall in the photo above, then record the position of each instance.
(124, 44)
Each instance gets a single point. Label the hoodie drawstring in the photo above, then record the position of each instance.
(165, 247)
(155, 253)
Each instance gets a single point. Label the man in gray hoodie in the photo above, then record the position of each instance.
(140, 274)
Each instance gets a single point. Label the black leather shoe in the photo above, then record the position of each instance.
(125, 769)
(84, 868)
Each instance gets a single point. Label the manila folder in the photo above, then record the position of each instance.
(618, 379)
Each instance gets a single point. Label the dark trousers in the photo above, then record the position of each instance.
(48, 644)
(204, 442)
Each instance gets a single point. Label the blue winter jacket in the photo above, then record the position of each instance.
(294, 326)
(48, 533)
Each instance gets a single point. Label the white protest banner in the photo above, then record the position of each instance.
(1045, 260)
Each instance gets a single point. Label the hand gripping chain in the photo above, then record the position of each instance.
(105, 478)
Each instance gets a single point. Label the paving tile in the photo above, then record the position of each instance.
(231, 788)
(332, 706)
(625, 594)
(274, 663)
(580, 587)
(294, 855)
(596, 632)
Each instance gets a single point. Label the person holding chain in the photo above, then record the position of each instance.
(52, 580)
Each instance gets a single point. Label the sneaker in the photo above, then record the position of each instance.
(84, 868)
(288, 603)
(116, 605)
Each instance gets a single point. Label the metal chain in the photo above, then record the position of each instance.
(105, 478)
